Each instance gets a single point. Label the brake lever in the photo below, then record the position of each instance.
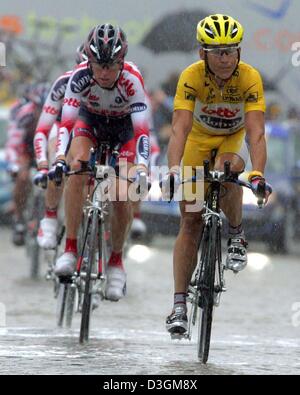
(261, 193)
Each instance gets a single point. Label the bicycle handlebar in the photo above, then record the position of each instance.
(229, 176)
(88, 168)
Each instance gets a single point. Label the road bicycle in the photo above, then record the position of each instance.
(89, 280)
(208, 283)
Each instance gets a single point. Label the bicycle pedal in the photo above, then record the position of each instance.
(178, 336)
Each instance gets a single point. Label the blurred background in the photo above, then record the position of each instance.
(41, 39)
(256, 330)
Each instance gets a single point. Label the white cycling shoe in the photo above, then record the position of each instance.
(115, 284)
(47, 233)
(65, 265)
(236, 259)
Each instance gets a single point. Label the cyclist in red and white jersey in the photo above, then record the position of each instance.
(19, 150)
(45, 140)
(105, 99)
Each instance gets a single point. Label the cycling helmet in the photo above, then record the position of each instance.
(80, 54)
(219, 29)
(106, 44)
(38, 92)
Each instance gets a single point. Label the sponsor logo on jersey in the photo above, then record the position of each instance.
(252, 97)
(143, 147)
(127, 85)
(222, 112)
(72, 102)
(59, 89)
(232, 95)
(80, 81)
(219, 123)
(233, 90)
(50, 110)
(189, 87)
(38, 147)
(93, 97)
(138, 107)
(232, 99)
(189, 96)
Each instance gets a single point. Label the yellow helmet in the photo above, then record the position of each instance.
(219, 29)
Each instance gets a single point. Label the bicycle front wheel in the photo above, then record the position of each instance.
(92, 242)
(206, 286)
(65, 303)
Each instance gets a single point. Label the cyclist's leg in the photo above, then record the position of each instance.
(53, 193)
(47, 234)
(83, 140)
(187, 242)
(186, 246)
(121, 221)
(20, 195)
(22, 187)
(234, 149)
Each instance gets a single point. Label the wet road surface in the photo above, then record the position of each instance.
(256, 328)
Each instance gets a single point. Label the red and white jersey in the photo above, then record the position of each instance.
(50, 114)
(126, 97)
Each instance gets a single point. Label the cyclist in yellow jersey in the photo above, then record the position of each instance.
(219, 105)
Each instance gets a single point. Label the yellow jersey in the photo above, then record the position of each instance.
(219, 111)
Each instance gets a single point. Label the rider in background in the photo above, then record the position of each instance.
(45, 140)
(104, 100)
(19, 150)
(219, 105)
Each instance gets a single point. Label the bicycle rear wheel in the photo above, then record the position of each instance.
(206, 287)
(92, 242)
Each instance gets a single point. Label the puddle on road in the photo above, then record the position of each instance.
(32, 350)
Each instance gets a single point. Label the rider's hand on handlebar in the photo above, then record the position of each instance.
(57, 171)
(170, 184)
(261, 188)
(142, 180)
(41, 178)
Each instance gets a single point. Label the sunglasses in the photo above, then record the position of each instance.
(107, 66)
(229, 51)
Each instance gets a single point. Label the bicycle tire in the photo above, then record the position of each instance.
(37, 211)
(206, 285)
(87, 298)
(70, 303)
(61, 304)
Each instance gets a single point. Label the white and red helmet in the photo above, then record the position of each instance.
(106, 44)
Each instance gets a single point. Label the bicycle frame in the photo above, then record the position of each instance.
(205, 291)
(211, 209)
(94, 206)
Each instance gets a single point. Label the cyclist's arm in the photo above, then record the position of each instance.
(50, 112)
(78, 84)
(181, 126)
(255, 129)
(140, 119)
(184, 105)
